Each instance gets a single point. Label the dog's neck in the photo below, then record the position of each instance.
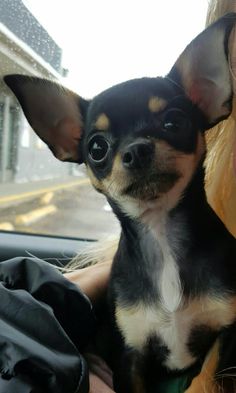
(156, 251)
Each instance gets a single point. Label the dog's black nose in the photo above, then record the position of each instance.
(138, 155)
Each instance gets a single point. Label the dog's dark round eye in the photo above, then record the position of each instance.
(174, 120)
(98, 148)
(170, 126)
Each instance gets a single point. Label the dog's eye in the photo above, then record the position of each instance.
(170, 126)
(98, 148)
(174, 120)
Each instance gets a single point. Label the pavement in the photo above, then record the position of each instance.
(67, 206)
(17, 194)
(14, 193)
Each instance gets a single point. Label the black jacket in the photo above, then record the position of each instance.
(45, 322)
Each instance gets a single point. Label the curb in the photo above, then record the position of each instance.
(46, 198)
(35, 215)
(63, 186)
(6, 226)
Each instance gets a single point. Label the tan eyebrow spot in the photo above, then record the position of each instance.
(156, 104)
(102, 122)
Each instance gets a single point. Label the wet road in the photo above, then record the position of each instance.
(81, 212)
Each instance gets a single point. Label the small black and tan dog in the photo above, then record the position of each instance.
(173, 284)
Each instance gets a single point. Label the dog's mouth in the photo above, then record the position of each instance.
(152, 186)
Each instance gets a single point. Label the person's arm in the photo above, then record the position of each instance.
(93, 282)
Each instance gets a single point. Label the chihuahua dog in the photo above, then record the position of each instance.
(173, 283)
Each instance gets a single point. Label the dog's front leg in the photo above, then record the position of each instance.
(205, 380)
(127, 377)
(218, 373)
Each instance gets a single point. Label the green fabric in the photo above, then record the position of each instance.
(176, 385)
(179, 383)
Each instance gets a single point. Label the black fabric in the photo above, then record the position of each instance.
(45, 322)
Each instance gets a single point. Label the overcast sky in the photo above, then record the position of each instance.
(108, 41)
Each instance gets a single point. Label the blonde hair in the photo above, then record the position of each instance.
(218, 8)
(220, 180)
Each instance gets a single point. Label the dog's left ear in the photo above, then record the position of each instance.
(203, 70)
(55, 113)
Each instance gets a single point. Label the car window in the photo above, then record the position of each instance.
(86, 46)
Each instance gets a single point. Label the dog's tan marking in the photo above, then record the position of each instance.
(117, 179)
(102, 123)
(185, 165)
(140, 321)
(156, 104)
(117, 166)
(95, 182)
(114, 182)
(168, 160)
(205, 381)
(212, 311)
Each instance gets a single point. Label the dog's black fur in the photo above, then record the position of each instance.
(173, 282)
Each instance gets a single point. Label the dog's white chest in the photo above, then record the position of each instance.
(169, 285)
(170, 317)
(141, 322)
(165, 275)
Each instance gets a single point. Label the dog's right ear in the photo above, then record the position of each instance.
(55, 113)
(203, 70)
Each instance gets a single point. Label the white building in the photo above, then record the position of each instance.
(25, 48)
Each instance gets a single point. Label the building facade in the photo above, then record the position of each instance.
(25, 48)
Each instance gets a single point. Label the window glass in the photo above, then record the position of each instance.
(86, 46)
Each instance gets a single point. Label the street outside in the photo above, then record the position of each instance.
(77, 211)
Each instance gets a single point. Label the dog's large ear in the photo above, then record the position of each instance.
(203, 70)
(55, 113)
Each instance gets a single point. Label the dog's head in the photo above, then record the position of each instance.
(141, 140)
